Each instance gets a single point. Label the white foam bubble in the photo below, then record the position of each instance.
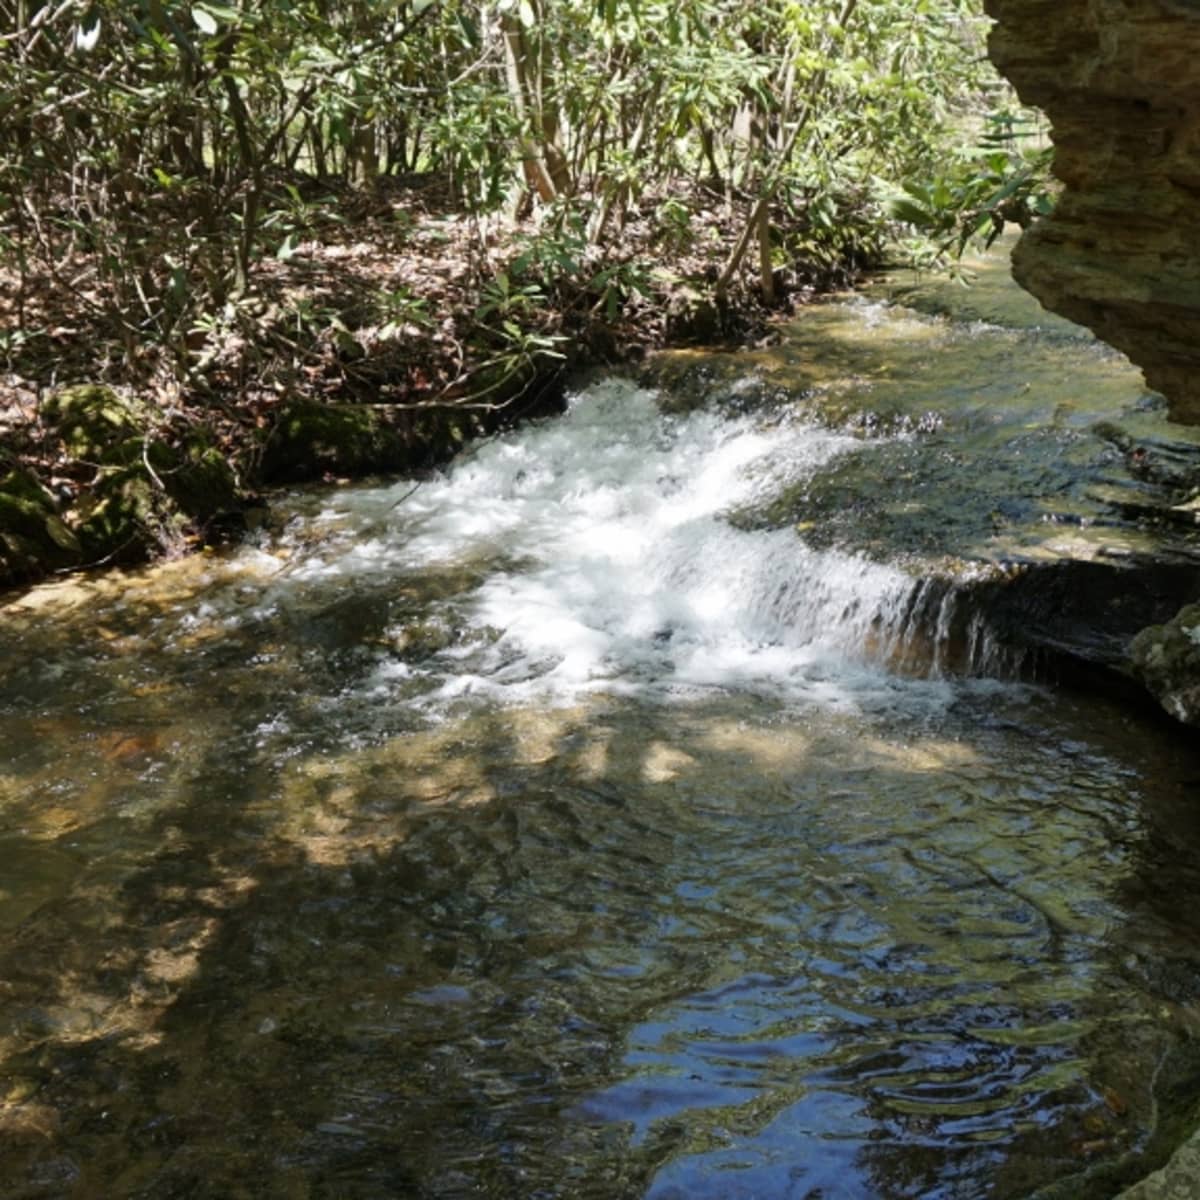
(625, 574)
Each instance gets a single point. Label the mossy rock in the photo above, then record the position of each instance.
(1175, 1181)
(131, 511)
(356, 440)
(441, 433)
(1167, 660)
(310, 439)
(34, 539)
(95, 422)
(122, 519)
(143, 488)
(201, 481)
(692, 317)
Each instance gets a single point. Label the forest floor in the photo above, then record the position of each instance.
(416, 325)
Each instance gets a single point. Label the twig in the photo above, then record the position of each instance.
(406, 495)
(146, 462)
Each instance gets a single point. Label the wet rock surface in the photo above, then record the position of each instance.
(1166, 658)
(1020, 469)
(1178, 1180)
(806, 924)
(1120, 84)
(1070, 621)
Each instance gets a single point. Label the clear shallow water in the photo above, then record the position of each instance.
(1006, 416)
(544, 832)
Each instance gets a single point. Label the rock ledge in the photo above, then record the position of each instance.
(1120, 82)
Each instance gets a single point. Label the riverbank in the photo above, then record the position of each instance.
(389, 334)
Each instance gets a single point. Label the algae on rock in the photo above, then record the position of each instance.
(311, 439)
(91, 420)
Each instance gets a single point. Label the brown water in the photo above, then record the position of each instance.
(389, 859)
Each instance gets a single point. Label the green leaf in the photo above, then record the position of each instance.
(905, 210)
(224, 13)
(60, 534)
(205, 21)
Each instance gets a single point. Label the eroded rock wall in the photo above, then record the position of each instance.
(1120, 82)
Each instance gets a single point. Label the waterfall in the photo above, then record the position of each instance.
(607, 562)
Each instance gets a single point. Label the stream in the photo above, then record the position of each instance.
(637, 808)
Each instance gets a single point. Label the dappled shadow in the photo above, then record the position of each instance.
(596, 952)
(291, 910)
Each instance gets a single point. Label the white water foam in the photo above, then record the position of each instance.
(608, 564)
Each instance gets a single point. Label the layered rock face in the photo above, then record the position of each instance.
(1120, 82)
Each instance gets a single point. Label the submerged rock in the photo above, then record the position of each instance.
(1178, 1180)
(1167, 660)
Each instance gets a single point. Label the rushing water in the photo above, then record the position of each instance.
(570, 825)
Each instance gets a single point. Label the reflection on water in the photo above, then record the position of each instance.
(547, 835)
(718, 949)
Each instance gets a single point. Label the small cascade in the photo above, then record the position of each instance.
(606, 562)
(944, 630)
(612, 811)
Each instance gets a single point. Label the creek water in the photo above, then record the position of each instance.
(606, 817)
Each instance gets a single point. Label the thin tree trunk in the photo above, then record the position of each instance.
(537, 173)
(766, 268)
(620, 194)
(771, 179)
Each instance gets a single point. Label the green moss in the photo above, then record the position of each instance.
(95, 422)
(150, 485)
(443, 432)
(130, 512)
(34, 539)
(121, 521)
(201, 482)
(24, 490)
(311, 439)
